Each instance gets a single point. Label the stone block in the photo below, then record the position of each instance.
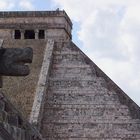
(2, 105)
(13, 119)
(3, 116)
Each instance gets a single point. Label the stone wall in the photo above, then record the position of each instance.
(56, 20)
(12, 125)
(5, 33)
(1, 42)
(21, 90)
(37, 109)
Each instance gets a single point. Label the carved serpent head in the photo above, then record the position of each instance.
(13, 61)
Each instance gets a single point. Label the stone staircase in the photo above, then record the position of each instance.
(82, 103)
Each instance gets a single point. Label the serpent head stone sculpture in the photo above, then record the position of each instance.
(13, 61)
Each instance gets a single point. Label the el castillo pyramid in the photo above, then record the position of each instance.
(66, 96)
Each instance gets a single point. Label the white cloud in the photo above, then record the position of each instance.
(6, 4)
(110, 31)
(26, 5)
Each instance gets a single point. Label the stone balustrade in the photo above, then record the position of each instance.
(12, 124)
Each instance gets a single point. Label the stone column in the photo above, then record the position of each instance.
(22, 34)
(36, 33)
(46, 34)
(13, 34)
(1, 42)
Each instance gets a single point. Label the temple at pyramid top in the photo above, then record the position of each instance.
(35, 25)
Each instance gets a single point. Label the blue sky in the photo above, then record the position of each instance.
(107, 31)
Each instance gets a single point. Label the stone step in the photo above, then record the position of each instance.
(86, 78)
(103, 91)
(81, 119)
(65, 46)
(77, 112)
(60, 54)
(72, 72)
(69, 57)
(89, 130)
(79, 138)
(70, 61)
(76, 84)
(79, 98)
(75, 56)
(60, 66)
(84, 106)
(95, 79)
(84, 91)
(72, 75)
(95, 119)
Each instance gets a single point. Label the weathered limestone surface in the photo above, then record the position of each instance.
(55, 23)
(12, 124)
(1, 42)
(21, 90)
(36, 113)
(82, 103)
(12, 61)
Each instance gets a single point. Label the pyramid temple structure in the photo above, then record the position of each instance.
(66, 96)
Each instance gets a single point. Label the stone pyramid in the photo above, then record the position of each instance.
(74, 99)
(80, 102)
